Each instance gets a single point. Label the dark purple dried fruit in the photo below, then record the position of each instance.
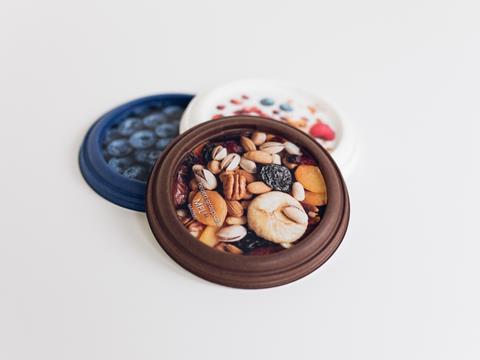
(278, 177)
(233, 147)
(301, 160)
(250, 242)
(207, 152)
(180, 188)
(191, 159)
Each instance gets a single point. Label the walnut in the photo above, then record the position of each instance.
(195, 228)
(234, 185)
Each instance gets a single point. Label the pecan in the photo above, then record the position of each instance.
(234, 185)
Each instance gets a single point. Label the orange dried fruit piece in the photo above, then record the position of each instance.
(311, 178)
(208, 236)
(315, 199)
(209, 208)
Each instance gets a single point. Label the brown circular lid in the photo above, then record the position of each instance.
(294, 234)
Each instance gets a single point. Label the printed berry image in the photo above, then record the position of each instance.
(132, 146)
(254, 194)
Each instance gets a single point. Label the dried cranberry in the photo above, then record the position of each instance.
(233, 147)
(301, 159)
(322, 131)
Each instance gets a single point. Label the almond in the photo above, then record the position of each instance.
(247, 144)
(236, 220)
(298, 192)
(248, 165)
(214, 167)
(259, 137)
(295, 214)
(258, 187)
(260, 157)
(292, 149)
(234, 208)
(276, 159)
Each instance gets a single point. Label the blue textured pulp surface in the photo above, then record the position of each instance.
(121, 147)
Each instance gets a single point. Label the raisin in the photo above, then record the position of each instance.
(180, 190)
(278, 177)
(301, 159)
(207, 152)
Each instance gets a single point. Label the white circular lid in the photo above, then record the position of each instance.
(280, 101)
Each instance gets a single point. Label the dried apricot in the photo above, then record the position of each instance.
(311, 178)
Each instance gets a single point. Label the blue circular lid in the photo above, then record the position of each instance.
(121, 147)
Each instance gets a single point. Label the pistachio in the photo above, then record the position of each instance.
(214, 167)
(298, 192)
(236, 220)
(247, 144)
(295, 214)
(230, 162)
(272, 147)
(231, 233)
(276, 159)
(205, 178)
(260, 157)
(258, 187)
(219, 153)
(292, 149)
(248, 165)
(197, 167)
(259, 137)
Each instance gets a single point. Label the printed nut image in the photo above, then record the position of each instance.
(252, 194)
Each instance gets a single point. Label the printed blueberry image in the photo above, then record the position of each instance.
(154, 119)
(267, 102)
(173, 111)
(163, 143)
(132, 147)
(167, 130)
(142, 139)
(136, 172)
(119, 164)
(129, 126)
(119, 147)
(286, 107)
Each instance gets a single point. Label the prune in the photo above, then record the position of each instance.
(250, 242)
(207, 152)
(301, 159)
(142, 139)
(278, 177)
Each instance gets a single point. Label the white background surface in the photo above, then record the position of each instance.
(81, 278)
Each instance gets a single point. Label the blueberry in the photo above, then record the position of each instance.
(142, 139)
(141, 110)
(147, 156)
(128, 126)
(286, 107)
(167, 130)
(267, 102)
(173, 111)
(153, 156)
(111, 135)
(119, 164)
(154, 119)
(162, 143)
(119, 147)
(137, 172)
